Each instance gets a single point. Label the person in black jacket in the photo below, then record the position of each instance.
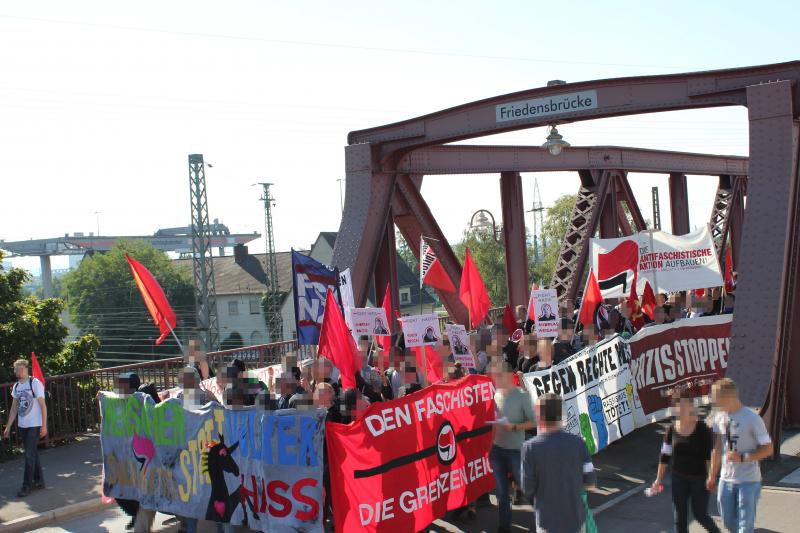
(687, 445)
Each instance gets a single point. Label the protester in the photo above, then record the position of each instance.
(529, 358)
(556, 468)
(562, 345)
(29, 409)
(688, 443)
(514, 415)
(199, 360)
(523, 322)
(741, 442)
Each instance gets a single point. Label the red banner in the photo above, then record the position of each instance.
(689, 354)
(408, 461)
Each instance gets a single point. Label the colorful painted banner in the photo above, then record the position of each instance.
(421, 330)
(406, 462)
(545, 306)
(668, 262)
(600, 401)
(459, 345)
(311, 280)
(615, 386)
(688, 354)
(245, 466)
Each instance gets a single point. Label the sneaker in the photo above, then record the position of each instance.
(23, 492)
(38, 486)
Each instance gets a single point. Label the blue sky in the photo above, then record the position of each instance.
(101, 102)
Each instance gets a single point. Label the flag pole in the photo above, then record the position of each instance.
(183, 352)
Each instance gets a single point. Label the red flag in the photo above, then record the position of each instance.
(473, 292)
(434, 372)
(591, 299)
(531, 310)
(730, 284)
(337, 344)
(509, 322)
(431, 271)
(154, 298)
(386, 340)
(635, 307)
(648, 300)
(36, 370)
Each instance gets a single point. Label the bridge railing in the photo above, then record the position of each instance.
(72, 408)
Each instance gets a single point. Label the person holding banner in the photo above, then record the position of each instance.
(687, 445)
(513, 416)
(556, 468)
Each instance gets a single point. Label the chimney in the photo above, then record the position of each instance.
(240, 253)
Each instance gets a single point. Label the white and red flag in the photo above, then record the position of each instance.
(431, 271)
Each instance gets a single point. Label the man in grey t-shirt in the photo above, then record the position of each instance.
(555, 469)
(741, 442)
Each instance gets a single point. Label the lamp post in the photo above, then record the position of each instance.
(480, 221)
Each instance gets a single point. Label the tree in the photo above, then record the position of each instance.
(30, 324)
(489, 258)
(103, 299)
(405, 252)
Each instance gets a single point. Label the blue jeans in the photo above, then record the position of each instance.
(504, 462)
(33, 468)
(737, 505)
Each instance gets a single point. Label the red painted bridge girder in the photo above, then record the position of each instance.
(767, 323)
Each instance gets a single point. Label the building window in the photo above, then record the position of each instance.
(255, 306)
(233, 308)
(405, 296)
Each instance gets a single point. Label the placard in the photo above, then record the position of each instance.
(369, 321)
(421, 330)
(545, 307)
(459, 345)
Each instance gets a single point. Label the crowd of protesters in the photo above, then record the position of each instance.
(532, 458)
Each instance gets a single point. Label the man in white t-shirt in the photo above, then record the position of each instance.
(741, 442)
(30, 411)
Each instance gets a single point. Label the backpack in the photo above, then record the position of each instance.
(30, 384)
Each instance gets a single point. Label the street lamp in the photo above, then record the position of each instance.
(555, 142)
(480, 221)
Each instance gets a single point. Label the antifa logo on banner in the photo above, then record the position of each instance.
(446, 443)
(618, 267)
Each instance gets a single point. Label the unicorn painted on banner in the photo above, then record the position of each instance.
(216, 460)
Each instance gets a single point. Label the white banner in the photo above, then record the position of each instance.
(668, 262)
(601, 404)
(545, 307)
(459, 345)
(370, 321)
(421, 330)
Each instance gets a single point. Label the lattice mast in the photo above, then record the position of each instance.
(272, 308)
(538, 224)
(202, 263)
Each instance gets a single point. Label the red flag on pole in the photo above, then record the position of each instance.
(431, 271)
(36, 370)
(154, 298)
(509, 322)
(591, 299)
(730, 284)
(648, 300)
(432, 365)
(531, 310)
(473, 292)
(337, 344)
(386, 340)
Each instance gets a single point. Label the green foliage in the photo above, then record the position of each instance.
(30, 324)
(489, 258)
(405, 253)
(103, 299)
(233, 341)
